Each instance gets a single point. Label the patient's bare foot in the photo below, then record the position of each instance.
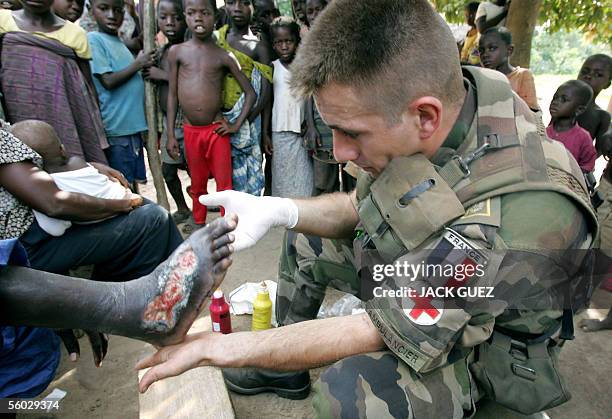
(592, 325)
(175, 292)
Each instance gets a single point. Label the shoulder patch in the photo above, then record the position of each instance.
(484, 212)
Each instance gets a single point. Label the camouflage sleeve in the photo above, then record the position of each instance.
(508, 243)
(410, 309)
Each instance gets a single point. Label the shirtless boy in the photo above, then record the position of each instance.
(197, 69)
(171, 21)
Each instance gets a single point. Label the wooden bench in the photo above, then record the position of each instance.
(198, 393)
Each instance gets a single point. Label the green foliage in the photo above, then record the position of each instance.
(561, 52)
(591, 17)
(284, 6)
(588, 16)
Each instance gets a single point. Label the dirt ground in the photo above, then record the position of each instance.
(111, 391)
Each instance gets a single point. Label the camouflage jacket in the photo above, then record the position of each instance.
(499, 194)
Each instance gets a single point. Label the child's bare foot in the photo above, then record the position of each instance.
(592, 325)
(180, 216)
(173, 294)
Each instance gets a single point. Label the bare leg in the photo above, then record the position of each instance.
(170, 173)
(158, 308)
(593, 325)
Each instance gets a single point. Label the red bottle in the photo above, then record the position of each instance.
(219, 314)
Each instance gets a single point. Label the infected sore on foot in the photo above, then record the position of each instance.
(174, 287)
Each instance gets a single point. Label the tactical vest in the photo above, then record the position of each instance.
(505, 151)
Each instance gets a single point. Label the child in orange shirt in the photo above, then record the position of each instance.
(495, 48)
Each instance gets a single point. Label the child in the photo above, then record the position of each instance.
(70, 174)
(298, 8)
(171, 21)
(569, 101)
(596, 72)
(71, 10)
(197, 69)
(495, 48)
(253, 55)
(469, 49)
(129, 32)
(265, 12)
(120, 90)
(10, 4)
(45, 59)
(491, 14)
(290, 156)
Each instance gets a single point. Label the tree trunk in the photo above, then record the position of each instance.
(148, 27)
(522, 18)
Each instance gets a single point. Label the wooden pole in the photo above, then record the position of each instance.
(148, 27)
(522, 19)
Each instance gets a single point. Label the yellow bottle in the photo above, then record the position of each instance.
(262, 309)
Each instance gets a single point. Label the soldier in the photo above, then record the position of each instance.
(448, 160)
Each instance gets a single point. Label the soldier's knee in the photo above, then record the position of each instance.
(323, 403)
(370, 381)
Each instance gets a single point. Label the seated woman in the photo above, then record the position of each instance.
(124, 247)
(46, 76)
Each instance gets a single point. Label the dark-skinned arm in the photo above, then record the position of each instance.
(311, 136)
(86, 70)
(603, 132)
(482, 24)
(115, 79)
(250, 98)
(172, 146)
(266, 124)
(36, 189)
(263, 56)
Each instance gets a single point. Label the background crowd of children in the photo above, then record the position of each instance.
(222, 79)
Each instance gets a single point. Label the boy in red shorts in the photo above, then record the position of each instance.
(197, 69)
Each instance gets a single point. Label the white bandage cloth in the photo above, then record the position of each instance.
(87, 181)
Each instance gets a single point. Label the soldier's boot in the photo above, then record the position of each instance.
(250, 381)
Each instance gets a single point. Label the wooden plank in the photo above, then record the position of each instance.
(198, 393)
(149, 29)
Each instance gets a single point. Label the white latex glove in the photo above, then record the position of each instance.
(256, 215)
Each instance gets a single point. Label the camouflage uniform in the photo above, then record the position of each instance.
(526, 193)
(604, 212)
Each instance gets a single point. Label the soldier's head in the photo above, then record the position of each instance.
(495, 47)
(596, 72)
(570, 100)
(385, 76)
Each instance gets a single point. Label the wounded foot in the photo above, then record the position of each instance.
(176, 290)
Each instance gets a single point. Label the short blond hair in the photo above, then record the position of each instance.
(398, 50)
